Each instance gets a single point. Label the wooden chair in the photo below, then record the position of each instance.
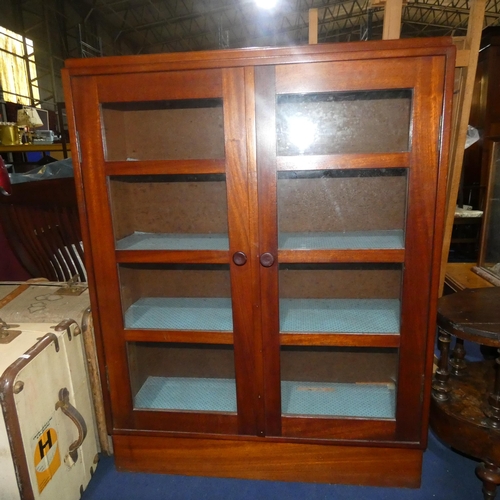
(41, 223)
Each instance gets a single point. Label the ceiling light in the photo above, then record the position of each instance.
(266, 4)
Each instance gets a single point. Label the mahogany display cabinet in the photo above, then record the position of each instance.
(262, 231)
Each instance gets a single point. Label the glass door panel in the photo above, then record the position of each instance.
(340, 298)
(338, 382)
(169, 212)
(186, 297)
(342, 209)
(341, 248)
(163, 130)
(343, 122)
(182, 377)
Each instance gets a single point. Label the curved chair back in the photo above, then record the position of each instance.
(41, 223)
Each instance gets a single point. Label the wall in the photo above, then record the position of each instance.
(56, 28)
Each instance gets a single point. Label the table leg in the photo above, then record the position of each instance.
(440, 385)
(457, 361)
(493, 409)
(489, 474)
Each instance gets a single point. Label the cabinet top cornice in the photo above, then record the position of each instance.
(413, 47)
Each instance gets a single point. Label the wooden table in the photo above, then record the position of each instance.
(459, 276)
(37, 148)
(465, 405)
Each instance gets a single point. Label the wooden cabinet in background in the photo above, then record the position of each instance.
(263, 231)
(485, 116)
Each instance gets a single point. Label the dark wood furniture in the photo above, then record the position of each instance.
(489, 254)
(465, 407)
(460, 275)
(485, 116)
(263, 231)
(35, 148)
(41, 223)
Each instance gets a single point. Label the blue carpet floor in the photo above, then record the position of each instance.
(446, 475)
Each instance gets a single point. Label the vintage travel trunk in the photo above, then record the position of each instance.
(48, 434)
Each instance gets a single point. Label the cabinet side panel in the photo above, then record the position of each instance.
(436, 284)
(419, 240)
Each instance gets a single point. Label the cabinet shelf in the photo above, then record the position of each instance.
(180, 314)
(372, 255)
(340, 339)
(352, 240)
(376, 316)
(186, 393)
(159, 167)
(180, 336)
(306, 316)
(165, 241)
(338, 399)
(338, 161)
(298, 398)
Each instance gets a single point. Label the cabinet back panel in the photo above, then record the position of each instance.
(343, 123)
(168, 207)
(341, 204)
(163, 134)
(160, 281)
(346, 282)
(178, 360)
(340, 365)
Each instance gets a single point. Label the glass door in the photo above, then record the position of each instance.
(339, 291)
(170, 169)
(333, 258)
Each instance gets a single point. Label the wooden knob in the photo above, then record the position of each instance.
(239, 258)
(267, 259)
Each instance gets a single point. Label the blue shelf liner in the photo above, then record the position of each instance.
(209, 314)
(296, 315)
(340, 315)
(184, 393)
(298, 398)
(338, 399)
(172, 241)
(354, 240)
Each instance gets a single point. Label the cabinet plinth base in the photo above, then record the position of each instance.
(277, 461)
